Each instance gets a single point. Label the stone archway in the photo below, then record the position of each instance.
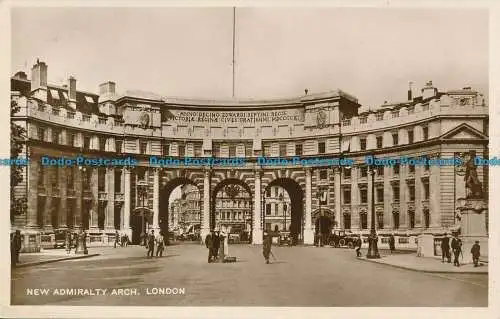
(296, 195)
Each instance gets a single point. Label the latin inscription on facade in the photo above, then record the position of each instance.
(282, 116)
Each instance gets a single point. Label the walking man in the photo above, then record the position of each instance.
(15, 248)
(445, 249)
(266, 247)
(209, 243)
(159, 244)
(216, 245)
(359, 242)
(456, 245)
(392, 243)
(476, 252)
(117, 238)
(151, 244)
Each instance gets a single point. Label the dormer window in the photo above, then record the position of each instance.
(54, 94)
(379, 116)
(89, 99)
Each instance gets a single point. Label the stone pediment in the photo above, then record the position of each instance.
(463, 131)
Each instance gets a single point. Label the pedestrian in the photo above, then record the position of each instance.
(476, 252)
(392, 243)
(216, 245)
(67, 242)
(445, 249)
(456, 245)
(358, 245)
(159, 244)
(117, 238)
(150, 244)
(209, 243)
(266, 247)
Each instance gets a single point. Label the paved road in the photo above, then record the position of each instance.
(302, 276)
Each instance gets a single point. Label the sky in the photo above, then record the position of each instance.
(187, 52)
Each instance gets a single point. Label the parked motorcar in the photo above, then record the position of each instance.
(284, 239)
(234, 239)
(60, 239)
(341, 238)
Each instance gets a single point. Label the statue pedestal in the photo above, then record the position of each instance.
(425, 246)
(473, 226)
(81, 246)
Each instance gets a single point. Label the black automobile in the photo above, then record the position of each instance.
(60, 239)
(284, 239)
(341, 238)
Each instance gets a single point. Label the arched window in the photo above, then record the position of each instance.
(395, 219)
(380, 220)
(427, 218)
(363, 216)
(411, 218)
(347, 221)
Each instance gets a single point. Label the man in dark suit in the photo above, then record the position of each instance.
(15, 248)
(445, 249)
(151, 243)
(209, 243)
(456, 245)
(216, 244)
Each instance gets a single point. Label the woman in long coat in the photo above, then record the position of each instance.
(266, 247)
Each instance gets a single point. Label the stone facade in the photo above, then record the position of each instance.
(136, 126)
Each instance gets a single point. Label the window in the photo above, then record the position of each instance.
(86, 142)
(410, 136)
(216, 150)
(347, 172)
(181, 150)
(426, 164)
(298, 149)
(395, 193)
(70, 139)
(102, 143)
(55, 135)
(411, 215)
(347, 196)
(321, 147)
(267, 150)
(268, 209)
(395, 219)
(364, 195)
(362, 143)
(380, 195)
(41, 133)
(101, 179)
(364, 220)
(276, 211)
(101, 214)
(364, 171)
(425, 133)
(89, 99)
(380, 220)
(380, 170)
(427, 218)
(411, 110)
(198, 150)
(232, 150)
(426, 191)
(276, 192)
(323, 175)
(86, 173)
(119, 146)
(41, 176)
(379, 141)
(268, 192)
(395, 169)
(379, 116)
(363, 120)
(411, 191)
(70, 178)
(143, 147)
(395, 113)
(347, 221)
(282, 149)
(118, 181)
(395, 139)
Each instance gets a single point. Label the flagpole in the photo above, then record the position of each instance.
(234, 40)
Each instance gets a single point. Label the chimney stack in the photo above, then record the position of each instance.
(107, 91)
(21, 75)
(429, 90)
(72, 88)
(410, 89)
(39, 80)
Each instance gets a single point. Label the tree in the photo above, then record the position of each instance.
(17, 133)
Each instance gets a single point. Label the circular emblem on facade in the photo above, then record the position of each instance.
(321, 119)
(144, 119)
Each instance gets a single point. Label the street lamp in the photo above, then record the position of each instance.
(280, 197)
(372, 240)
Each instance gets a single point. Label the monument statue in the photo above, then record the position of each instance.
(473, 185)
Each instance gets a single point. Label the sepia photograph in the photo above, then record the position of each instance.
(249, 156)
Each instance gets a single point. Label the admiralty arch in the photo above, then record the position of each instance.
(223, 140)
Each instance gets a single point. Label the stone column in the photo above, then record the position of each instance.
(434, 196)
(47, 213)
(93, 225)
(205, 218)
(338, 196)
(388, 220)
(419, 220)
(355, 220)
(308, 231)
(77, 218)
(32, 196)
(63, 207)
(156, 200)
(257, 227)
(109, 223)
(126, 203)
(371, 185)
(404, 221)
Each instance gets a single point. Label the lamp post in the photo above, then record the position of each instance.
(372, 240)
(280, 197)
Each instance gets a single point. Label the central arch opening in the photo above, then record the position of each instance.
(232, 210)
(285, 198)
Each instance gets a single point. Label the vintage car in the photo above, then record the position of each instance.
(60, 239)
(341, 238)
(234, 239)
(284, 239)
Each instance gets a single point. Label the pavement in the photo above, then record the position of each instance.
(426, 264)
(299, 277)
(49, 256)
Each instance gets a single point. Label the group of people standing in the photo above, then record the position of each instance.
(456, 248)
(121, 240)
(152, 242)
(212, 242)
